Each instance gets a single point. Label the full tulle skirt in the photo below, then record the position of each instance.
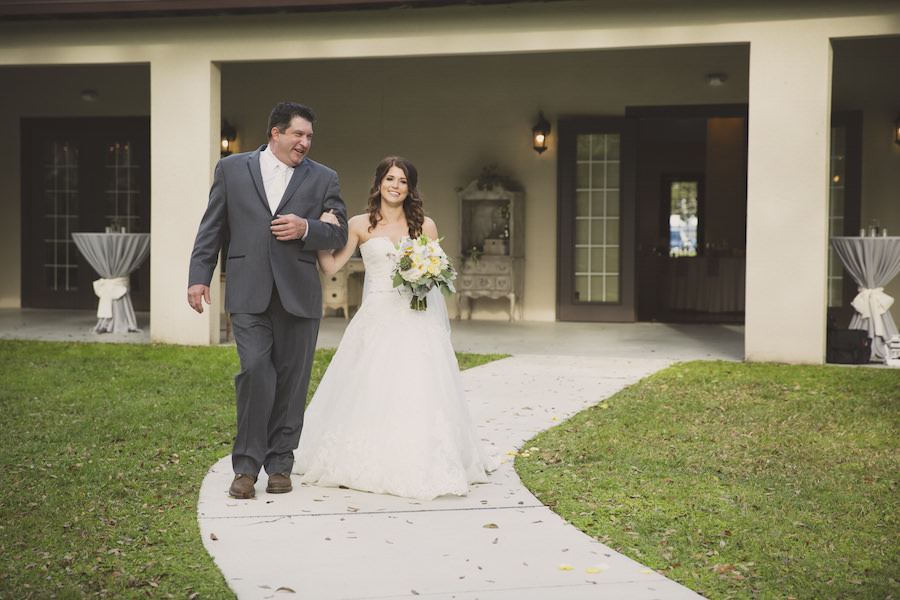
(390, 414)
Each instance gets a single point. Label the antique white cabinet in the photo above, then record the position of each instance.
(343, 289)
(492, 243)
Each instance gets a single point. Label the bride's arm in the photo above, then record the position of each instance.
(429, 228)
(331, 261)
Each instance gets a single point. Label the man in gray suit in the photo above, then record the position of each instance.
(264, 208)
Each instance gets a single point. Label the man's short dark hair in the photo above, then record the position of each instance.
(284, 112)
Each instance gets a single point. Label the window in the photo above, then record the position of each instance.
(682, 198)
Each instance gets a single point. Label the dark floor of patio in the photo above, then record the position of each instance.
(623, 340)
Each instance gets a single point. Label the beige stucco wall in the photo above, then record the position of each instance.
(370, 106)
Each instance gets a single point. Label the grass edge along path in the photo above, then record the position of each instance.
(105, 448)
(738, 480)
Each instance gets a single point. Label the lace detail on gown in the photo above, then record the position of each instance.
(390, 414)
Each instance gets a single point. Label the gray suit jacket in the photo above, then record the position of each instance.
(238, 218)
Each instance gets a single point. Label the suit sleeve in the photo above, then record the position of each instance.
(212, 233)
(324, 236)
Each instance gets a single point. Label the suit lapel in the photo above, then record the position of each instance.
(300, 173)
(256, 175)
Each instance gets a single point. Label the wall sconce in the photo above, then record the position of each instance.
(897, 130)
(229, 134)
(540, 132)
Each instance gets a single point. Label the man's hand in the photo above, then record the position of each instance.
(288, 227)
(196, 294)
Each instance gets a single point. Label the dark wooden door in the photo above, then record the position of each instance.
(80, 175)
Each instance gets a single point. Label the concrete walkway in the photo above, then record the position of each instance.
(499, 542)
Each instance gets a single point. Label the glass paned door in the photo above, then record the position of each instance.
(597, 217)
(59, 192)
(844, 201)
(596, 220)
(837, 184)
(122, 189)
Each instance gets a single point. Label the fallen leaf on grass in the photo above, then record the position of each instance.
(723, 568)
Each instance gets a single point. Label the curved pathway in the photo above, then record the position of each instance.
(497, 543)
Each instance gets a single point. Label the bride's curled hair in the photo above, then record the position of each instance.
(412, 204)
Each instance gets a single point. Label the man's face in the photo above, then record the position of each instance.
(292, 146)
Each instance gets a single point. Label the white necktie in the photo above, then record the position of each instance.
(280, 184)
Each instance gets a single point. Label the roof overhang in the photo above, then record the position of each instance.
(37, 9)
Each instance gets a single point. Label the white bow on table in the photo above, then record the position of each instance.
(108, 290)
(871, 303)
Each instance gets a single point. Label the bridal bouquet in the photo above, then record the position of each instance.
(421, 264)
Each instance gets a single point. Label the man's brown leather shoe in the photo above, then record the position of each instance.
(242, 486)
(279, 483)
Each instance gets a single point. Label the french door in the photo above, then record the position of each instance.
(596, 220)
(80, 175)
(844, 200)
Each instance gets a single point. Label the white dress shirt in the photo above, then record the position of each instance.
(276, 176)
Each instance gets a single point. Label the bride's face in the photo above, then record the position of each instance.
(394, 187)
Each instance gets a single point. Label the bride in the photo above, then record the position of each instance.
(390, 413)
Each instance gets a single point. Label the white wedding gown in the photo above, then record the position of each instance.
(390, 414)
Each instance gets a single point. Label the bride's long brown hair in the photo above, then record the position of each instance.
(412, 204)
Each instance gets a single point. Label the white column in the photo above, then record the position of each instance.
(787, 196)
(184, 147)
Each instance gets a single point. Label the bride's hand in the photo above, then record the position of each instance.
(328, 217)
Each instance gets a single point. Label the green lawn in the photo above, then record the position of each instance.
(739, 480)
